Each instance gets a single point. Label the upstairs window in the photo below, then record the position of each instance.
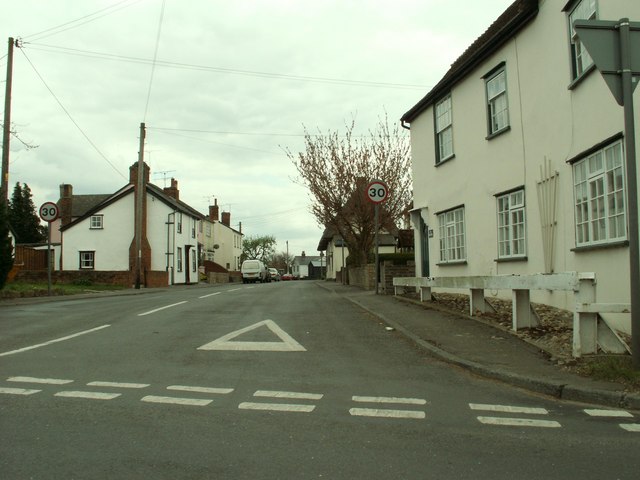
(179, 222)
(96, 222)
(580, 59)
(444, 129)
(497, 105)
(511, 225)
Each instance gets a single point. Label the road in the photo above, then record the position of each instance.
(274, 381)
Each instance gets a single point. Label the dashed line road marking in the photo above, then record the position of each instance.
(407, 401)
(161, 308)
(277, 407)
(68, 337)
(518, 422)
(118, 385)
(234, 289)
(386, 413)
(49, 381)
(185, 388)
(631, 427)
(508, 409)
(18, 391)
(88, 395)
(210, 295)
(194, 402)
(608, 413)
(295, 395)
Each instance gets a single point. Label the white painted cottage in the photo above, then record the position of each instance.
(518, 157)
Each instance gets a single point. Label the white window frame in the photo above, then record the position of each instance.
(452, 236)
(497, 101)
(179, 222)
(179, 259)
(444, 129)
(96, 222)
(512, 225)
(581, 61)
(599, 190)
(87, 260)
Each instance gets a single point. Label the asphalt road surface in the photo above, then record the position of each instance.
(270, 381)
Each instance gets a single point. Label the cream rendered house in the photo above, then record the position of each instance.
(518, 157)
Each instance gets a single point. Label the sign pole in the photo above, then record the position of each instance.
(377, 214)
(49, 212)
(49, 258)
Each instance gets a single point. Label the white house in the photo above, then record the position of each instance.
(222, 244)
(102, 238)
(518, 157)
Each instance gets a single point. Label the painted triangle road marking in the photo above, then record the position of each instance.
(286, 343)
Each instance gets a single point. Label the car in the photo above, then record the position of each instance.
(286, 276)
(275, 275)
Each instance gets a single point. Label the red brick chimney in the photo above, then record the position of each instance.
(65, 203)
(133, 174)
(226, 218)
(173, 191)
(214, 211)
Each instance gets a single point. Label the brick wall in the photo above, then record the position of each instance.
(365, 277)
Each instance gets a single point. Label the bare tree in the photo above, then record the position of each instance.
(337, 168)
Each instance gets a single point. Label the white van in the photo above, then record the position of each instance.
(253, 271)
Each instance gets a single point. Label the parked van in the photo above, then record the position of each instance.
(253, 271)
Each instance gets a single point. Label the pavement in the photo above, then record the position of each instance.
(484, 349)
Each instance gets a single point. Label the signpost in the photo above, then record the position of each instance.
(377, 192)
(615, 50)
(49, 212)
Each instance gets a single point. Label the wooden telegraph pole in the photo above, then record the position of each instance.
(6, 133)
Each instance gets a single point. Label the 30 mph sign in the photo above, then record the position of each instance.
(48, 211)
(377, 191)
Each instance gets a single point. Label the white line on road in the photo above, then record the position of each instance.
(210, 295)
(53, 341)
(18, 391)
(607, 413)
(385, 413)
(194, 402)
(277, 407)
(185, 388)
(118, 385)
(406, 401)
(234, 290)
(296, 395)
(161, 308)
(508, 409)
(518, 422)
(631, 427)
(49, 381)
(88, 395)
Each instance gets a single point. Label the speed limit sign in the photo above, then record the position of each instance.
(377, 191)
(48, 211)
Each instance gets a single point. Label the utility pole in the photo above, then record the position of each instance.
(140, 194)
(6, 134)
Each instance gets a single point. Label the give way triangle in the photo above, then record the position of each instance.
(286, 343)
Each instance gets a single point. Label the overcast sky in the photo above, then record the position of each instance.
(234, 84)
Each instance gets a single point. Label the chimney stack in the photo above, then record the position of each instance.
(133, 174)
(226, 218)
(65, 203)
(173, 191)
(214, 212)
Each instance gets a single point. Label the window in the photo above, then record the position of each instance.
(96, 222)
(580, 59)
(179, 222)
(179, 258)
(599, 189)
(194, 263)
(511, 225)
(497, 107)
(444, 129)
(452, 236)
(87, 260)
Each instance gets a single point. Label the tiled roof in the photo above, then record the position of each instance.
(514, 18)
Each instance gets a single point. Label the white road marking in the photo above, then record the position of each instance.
(385, 413)
(194, 402)
(287, 343)
(68, 337)
(296, 395)
(277, 407)
(118, 385)
(210, 295)
(406, 401)
(88, 395)
(161, 308)
(49, 381)
(607, 413)
(234, 289)
(631, 427)
(18, 391)
(508, 409)
(519, 422)
(184, 388)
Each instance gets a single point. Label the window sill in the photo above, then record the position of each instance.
(445, 160)
(601, 246)
(511, 259)
(452, 264)
(577, 81)
(498, 133)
